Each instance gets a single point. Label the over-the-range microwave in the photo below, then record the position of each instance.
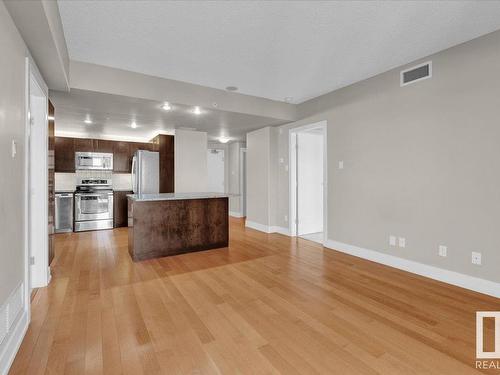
(93, 160)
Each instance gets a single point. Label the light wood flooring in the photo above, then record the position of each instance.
(268, 304)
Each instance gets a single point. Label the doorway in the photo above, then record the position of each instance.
(37, 173)
(216, 170)
(308, 194)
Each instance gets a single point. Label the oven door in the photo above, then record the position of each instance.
(93, 206)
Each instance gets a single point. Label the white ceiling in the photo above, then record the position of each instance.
(270, 49)
(112, 116)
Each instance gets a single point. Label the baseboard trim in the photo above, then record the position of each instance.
(235, 214)
(476, 284)
(266, 228)
(281, 230)
(13, 342)
(257, 226)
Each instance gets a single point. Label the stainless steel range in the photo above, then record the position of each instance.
(93, 204)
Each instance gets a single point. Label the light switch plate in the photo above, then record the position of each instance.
(14, 148)
(392, 240)
(341, 164)
(402, 242)
(442, 251)
(476, 258)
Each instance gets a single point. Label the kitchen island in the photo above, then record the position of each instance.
(176, 223)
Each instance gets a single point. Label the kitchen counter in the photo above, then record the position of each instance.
(176, 223)
(177, 196)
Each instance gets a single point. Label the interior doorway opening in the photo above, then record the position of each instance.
(308, 193)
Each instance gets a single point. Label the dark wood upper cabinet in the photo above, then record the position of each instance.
(121, 157)
(123, 152)
(165, 145)
(84, 145)
(102, 145)
(64, 154)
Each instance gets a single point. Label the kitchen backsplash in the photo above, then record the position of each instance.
(67, 181)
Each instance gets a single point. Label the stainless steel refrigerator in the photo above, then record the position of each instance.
(146, 172)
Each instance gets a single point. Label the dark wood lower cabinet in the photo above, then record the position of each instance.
(120, 215)
(51, 191)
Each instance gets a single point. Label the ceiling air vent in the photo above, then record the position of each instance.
(416, 73)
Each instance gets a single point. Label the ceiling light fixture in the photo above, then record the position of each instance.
(133, 125)
(166, 106)
(87, 121)
(231, 88)
(197, 110)
(223, 139)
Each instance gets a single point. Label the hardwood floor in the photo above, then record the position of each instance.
(267, 304)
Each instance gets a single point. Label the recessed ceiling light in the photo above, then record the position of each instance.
(88, 121)
(197, 110)
(166, 106)
(133, 125)
(231, 88)
(223, 139)
(288, 99)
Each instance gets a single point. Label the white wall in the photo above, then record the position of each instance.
(191, 173)
(12, 202)
(310, 182)
(420, 161)
(262, 159)
(216, 170)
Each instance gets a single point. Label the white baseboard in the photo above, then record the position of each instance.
(12, 343)
(476, 284)
(235, 214)
(267, 228)
(257, 226)
(281, 230)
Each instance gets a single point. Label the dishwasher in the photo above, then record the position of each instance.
(64, 212)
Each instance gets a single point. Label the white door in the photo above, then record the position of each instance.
(215, 163)
(310, 182)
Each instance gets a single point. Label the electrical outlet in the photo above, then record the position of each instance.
(476, 258)
(443, 251)
(402, 242)
(341, 164)
(392, 240)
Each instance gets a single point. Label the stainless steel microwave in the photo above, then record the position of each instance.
(93, 160)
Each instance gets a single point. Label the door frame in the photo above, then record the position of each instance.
(31, 72)
(293, 183)
(242, 178)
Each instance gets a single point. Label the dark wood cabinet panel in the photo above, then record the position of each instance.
(123, 152)
(103, 145)
(120, 208)
(122, 163)
(64, 154)
(165, 146)
(84, 145)
(51, 180)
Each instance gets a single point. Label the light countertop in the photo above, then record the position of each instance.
(177, 196)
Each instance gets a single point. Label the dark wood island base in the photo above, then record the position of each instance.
(164, 227)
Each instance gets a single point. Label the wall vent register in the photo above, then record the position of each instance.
(416, 73)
